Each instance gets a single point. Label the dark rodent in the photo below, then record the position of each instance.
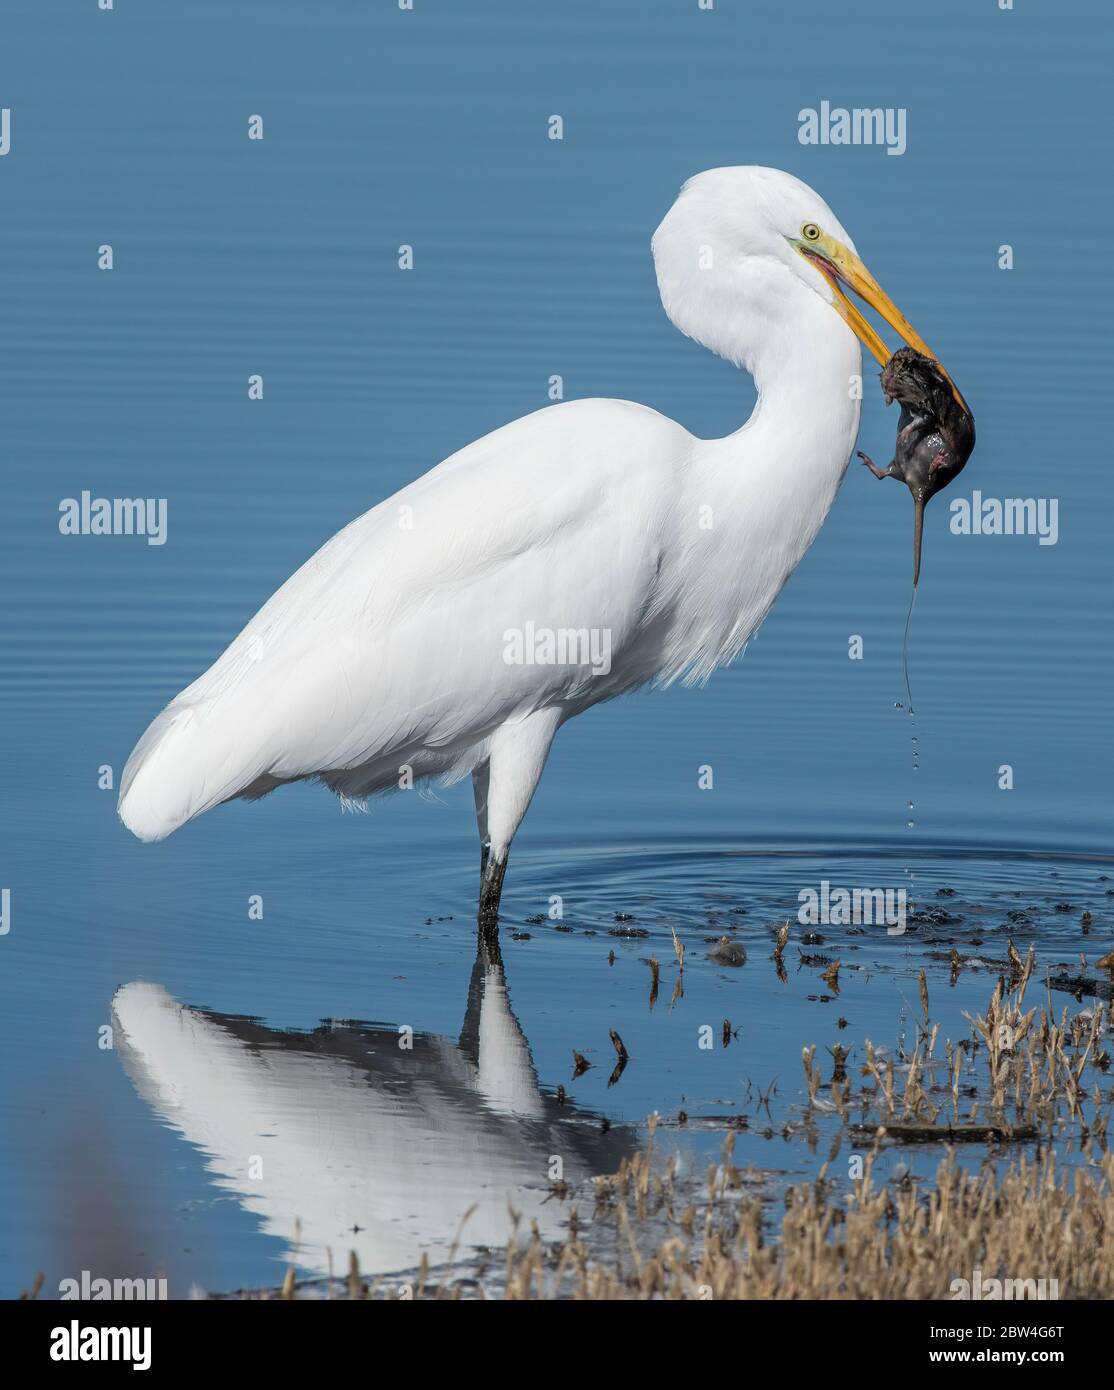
(935, 433)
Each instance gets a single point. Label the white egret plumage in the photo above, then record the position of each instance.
(391, 653)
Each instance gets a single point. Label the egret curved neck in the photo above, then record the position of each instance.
(808, 370)
(764, 492)
(778, 475)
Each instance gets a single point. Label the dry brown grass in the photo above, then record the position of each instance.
(1024, 1073)
(867, 1242)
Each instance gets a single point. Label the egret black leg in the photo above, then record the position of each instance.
(492, 872)
(503, 786)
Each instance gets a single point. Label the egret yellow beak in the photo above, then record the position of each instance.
(842, 267)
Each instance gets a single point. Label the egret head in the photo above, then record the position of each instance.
(740, 244)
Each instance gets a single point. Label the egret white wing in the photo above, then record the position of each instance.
(387, 646)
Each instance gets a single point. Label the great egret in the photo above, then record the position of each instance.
(577, 553)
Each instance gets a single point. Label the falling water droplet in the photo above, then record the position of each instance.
(907, 705)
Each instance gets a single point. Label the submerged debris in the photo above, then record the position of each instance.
(913, 1133)
(728, 952)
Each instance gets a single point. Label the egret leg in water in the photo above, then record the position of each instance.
(503, 786)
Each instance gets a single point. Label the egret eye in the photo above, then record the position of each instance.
(810, 231)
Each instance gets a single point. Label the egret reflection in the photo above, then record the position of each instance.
(361, 1137)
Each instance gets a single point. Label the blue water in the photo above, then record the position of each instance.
(279, 257)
